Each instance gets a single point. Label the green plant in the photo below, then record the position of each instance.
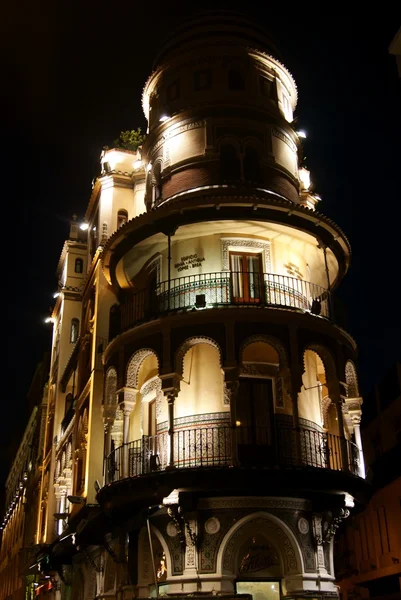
(130, 139)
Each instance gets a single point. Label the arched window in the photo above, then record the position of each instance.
(252, 165)
(74, 331)
(230, 168)
(235, 81)
(122, 218)
(79, 265)
(114, 321)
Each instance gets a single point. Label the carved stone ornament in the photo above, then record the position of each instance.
(212, 525)
(171, 529)
(303, 526)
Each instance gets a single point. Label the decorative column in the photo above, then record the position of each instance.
(170, 447)
(336, 398)
(170, 388)
(231, 385)
(354, 410)
(127, 400)
(318, 535)
(296, 383)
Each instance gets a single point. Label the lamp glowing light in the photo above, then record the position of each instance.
(304, 176)
(56, 294)
(84, 226)
(301, 134)
(164, 118)
(49, 320)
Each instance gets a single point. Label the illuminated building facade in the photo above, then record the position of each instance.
(203, 413)
(17, 581)
(368, 550)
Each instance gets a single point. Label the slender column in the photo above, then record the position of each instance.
(336, 398)
(296, 383)
(170, 388)
(231, 386)
(318, 535)
(354, 410)
(127, 398)
(170, 442)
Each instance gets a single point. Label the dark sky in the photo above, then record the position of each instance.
(72, 78)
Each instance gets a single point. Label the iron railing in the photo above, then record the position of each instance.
(224, 288)
(212, 447)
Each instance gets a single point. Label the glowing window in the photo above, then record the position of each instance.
(79, 265)
(74, 331)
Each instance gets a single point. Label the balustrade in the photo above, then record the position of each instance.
(211, 447)
(225, 288)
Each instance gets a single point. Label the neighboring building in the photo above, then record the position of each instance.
(395, 48)
(203, 411)
(368, 551)
(22, 497)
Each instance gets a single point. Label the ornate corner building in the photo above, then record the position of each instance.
(203, 411)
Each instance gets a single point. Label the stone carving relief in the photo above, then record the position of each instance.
(212, 526)
(351, 380)
(272, 531)
(134, 365)
(189, 343)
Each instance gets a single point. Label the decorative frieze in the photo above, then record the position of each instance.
(254, 502)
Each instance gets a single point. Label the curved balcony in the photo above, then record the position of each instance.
(224, 446)
(222, 289)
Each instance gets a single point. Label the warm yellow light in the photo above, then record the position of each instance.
(238, 423)
(304, 176)
(84, 226)
(164, 118)
(49, 320)
(56, 294)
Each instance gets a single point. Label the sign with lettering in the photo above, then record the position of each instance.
(258, 558)
(190, 261)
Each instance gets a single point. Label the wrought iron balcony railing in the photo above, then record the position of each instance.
(214, 446)
(225, 288)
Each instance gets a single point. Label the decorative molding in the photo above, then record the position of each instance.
(284, 138)
(279, 399)
(187, 345)
(274, 531)
(212, 526)
(135, 363)
(303, 526)
(272, 341)
(152, 385)
(110, 395)
(171, 529)
(206, 419)
(254, 369)
(228, 243)
(351, 380)
(254, 502)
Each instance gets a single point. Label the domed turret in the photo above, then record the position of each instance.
(220, 106)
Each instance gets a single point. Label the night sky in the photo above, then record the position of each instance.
(72, 78)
